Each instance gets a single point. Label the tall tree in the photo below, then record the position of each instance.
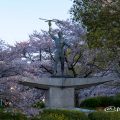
(101, 18)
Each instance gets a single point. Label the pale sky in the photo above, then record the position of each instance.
(19, 18)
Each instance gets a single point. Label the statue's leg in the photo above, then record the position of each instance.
(55, 67)
(62, 65)
(56, 63)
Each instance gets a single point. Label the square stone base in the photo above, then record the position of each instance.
(60, 97)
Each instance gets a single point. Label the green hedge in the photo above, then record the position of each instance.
(104, 116)
(54, 114)
(76, 115)
(12, 116)
(100, 102)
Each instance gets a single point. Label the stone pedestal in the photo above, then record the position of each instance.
(60, 97)
(60, 91)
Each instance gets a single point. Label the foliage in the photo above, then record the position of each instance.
(102, 101)
(35, 57)
(39, 104)
(51, 114)
(39, 51)
(76, 115)
(12, 116)
(104, 116)
(101, 18)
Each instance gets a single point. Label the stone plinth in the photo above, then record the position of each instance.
(60, 97)
(60, 91)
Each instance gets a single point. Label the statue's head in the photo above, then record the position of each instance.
(60, 34)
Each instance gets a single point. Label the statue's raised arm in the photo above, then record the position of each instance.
(49, 21)
(50, 30)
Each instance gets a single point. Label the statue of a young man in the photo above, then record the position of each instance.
(59, 50)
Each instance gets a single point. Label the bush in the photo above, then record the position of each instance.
(104, 116)
(100, 102)
(90, 103)
(39, 104)
(61, 115)
(11, 116)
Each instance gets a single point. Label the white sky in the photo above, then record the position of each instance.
(19, 18)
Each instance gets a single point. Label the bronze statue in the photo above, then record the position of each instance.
(59, 49)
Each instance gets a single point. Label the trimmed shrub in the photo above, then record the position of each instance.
(104, 116)
(12, 116)
(55, 114)
(90, 103)
(100, 102)
(105, 101)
